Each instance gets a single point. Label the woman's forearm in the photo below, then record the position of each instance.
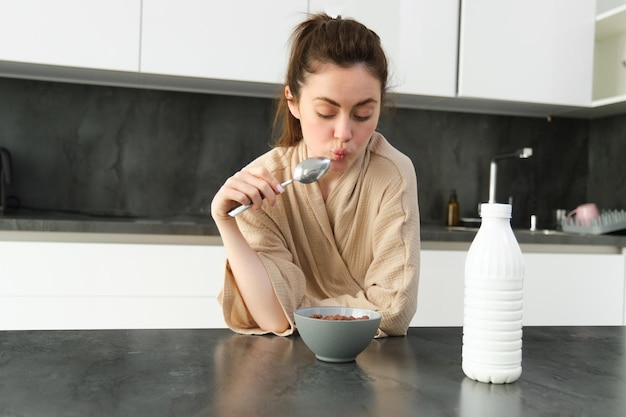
(252, 279)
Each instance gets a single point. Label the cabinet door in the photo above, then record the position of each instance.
(560, 289)
(536, 51)
(441, 288)
(102, 34)
(574, 289)
(419, 37)
(68, 285)
(243, 40)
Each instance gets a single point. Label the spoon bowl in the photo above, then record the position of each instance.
(306, 172)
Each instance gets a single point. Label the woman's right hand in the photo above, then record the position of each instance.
(251, 185)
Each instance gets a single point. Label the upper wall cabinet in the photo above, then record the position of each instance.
(102, 34)
(532, 58)
(534, 51)
(609, 77)
(242, 40)
(419, 37)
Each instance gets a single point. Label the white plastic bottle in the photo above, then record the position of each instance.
(492, 322)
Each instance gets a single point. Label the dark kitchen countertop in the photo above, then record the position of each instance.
(567, 371)
(51, 221)
(203, 225)
(438, 233)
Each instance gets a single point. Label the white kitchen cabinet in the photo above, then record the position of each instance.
(574, 289)
(102, 34)
(521, 58)
(536, 51)
(243, 40)
(77, 285)
(92, 285)
(441, 288)
(419, 37)
(609, 78)
(560, 289)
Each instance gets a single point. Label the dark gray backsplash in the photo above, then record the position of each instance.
(607, 162)
(137, 152)
(126, 151)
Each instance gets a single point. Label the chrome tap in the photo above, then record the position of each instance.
(523, 153)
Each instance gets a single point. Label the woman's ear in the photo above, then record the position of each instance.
(293, 105)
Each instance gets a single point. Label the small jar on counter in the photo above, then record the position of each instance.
(452, 215)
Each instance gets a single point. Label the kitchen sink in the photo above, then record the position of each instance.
(541, 232)
(462, 229)
(546, 232)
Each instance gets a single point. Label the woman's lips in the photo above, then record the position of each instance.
(339, 154)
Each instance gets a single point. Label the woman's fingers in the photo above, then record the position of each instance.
(257, 184)
(249, 186)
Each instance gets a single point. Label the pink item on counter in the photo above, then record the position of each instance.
(584, 214)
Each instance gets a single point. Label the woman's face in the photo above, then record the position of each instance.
(338, 112)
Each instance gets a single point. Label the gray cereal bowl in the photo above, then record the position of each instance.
(336, 340)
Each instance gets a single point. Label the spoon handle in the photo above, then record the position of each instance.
(238, 210)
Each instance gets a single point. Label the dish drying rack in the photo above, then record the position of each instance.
(609, 221)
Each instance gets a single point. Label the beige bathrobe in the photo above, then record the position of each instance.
(360, 248)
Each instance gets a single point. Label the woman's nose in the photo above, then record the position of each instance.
(343, 129)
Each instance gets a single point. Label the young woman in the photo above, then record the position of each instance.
(350, 239)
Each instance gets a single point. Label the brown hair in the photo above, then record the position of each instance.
(319, 40)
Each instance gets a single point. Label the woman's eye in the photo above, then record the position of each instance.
(357, 117)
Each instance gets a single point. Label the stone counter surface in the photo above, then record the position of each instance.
(567, 371)
(83, 223)
(204, 226)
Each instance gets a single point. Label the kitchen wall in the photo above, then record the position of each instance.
(135, 152)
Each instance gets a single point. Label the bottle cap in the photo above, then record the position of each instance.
(495, 210)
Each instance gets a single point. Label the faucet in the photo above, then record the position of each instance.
(523, 153)
(5, 176)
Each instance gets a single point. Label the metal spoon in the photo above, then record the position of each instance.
(306, 172)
